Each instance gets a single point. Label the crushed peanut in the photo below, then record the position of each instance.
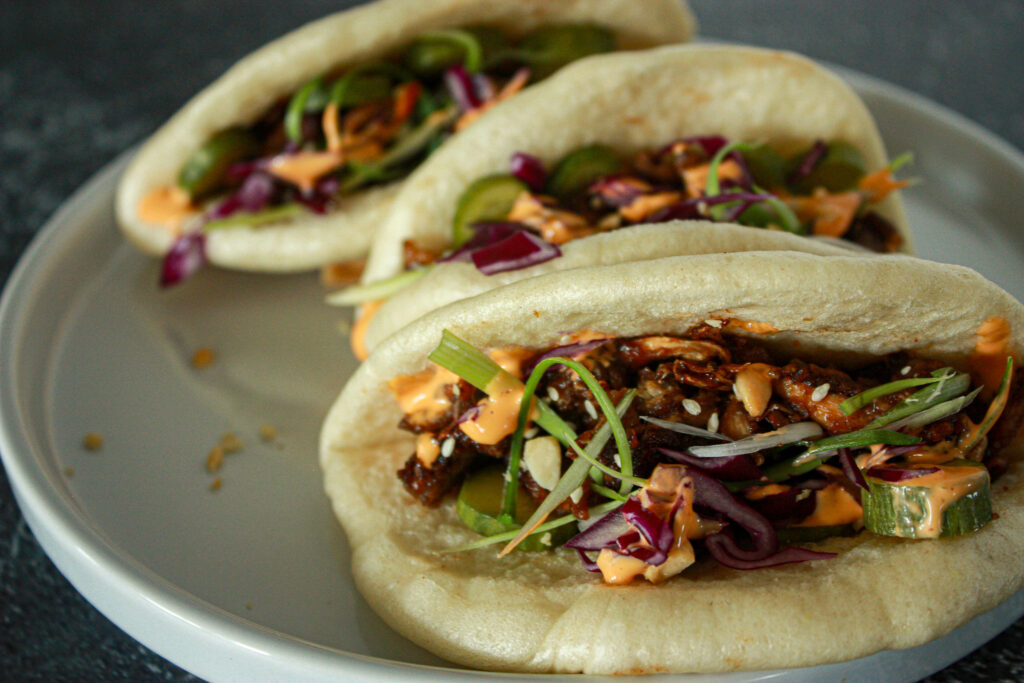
(216, 484)
(203, 357)
(92, 441)
(215, 459)
(230, 442)
(268, 432)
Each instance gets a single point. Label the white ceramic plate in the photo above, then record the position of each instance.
(251, 582)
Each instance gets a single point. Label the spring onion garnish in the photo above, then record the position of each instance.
(464, 39)
(935, 413)
(579, 469)
(858, 439)
(256, 217)
(900, 161)
(788, 220)
(566, 485)
(594, 512)
(297, 109)
(995, 409)
(682, 428)
(798, 431)
(374, 291)
(855, 403)
(946, 388)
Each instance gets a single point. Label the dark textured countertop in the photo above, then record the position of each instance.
(81, 82)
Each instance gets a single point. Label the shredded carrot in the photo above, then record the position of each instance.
(515, 84)
(831, 214)
(406, 96)
(696, 177)
(358, 338)
(645, 205)
(330, 126)
(879, 184)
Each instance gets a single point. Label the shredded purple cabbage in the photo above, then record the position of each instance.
(529, 169)
(461, 88)
(810, 161)
(520, 250)
(185, 257)
(727, 468)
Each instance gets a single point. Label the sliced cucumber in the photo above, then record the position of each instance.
(479, 505)
(298, 106)
(549, 48)
(580, 168)
(840, 170)
(204, 171)
(912, 508)
(766, 165)
(488, 199)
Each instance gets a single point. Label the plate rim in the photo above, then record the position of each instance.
(94, 565)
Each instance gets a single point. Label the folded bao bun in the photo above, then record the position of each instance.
(633, 102)
(541, 612)
(456, 281)
(278, 69)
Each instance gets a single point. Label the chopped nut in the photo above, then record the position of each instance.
(754, 388)
(230, 443)
(92, 441)
(202, 357)
(691, 406)
(216, 484)
(215, 459)
(268, 432)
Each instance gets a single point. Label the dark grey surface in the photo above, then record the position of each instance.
(81, 82)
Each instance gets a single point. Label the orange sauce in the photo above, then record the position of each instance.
(423, 392)
(168, 206)
(357, 339)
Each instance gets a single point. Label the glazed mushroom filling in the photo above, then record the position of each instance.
(663, 448)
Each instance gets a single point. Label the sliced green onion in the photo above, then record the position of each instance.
(858, 439)
(374, 291)
(995, 408)
(713, 187)
(597, 510)
(257, 218)
(608, 493)
(788, 219)
(855, 403)
(900, 161)
(945, 389)
(478, 369)
(594, 448)
(936, 412)
(297, 109)
(464, 39)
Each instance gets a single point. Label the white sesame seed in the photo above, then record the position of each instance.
(702, 208)
(530, 433)
(691, 406)
(553, 393)
(905, 370)
(713, 422)
(820, 392)
(564, 339)
(506, 475)
(591, 410)
(456, 390)
(546, 538)
(711, 322)
(448, 447)
(576, 495)
(803, 495)
(618, 461)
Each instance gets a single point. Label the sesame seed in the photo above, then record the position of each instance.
(456, 390)
(803, 495)
(591, 410)
(820, 392)
(618, 461)
(713, 422)
(564, 339)
(905, 370)
(702, 208)
(711, 322)
(448, 447)
(546, 538)
(530, 433)
(691, 406)
(553, 393)
(506, 476)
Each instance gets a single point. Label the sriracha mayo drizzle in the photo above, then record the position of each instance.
(168, 206)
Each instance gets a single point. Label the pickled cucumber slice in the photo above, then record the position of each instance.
(488, 199)
(840, 170)
(952, 501)
(204, 171)
(580, 168)
(766, 165)
(551, 47)
(479, 505)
